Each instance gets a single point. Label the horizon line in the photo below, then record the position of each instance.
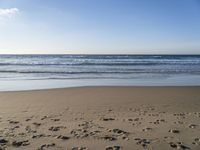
(97, 54)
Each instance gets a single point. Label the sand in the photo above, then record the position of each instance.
(101, 118)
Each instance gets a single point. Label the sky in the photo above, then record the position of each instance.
(99, 26)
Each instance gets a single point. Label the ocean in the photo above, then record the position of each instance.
(88, 70)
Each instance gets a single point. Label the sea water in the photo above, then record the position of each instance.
(25, 72)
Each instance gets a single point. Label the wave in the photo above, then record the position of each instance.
(95, 66)
(104, 63)
(104, 72)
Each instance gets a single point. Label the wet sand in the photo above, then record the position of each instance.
(101, 118)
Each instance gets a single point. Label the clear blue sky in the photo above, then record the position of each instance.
(100, 26)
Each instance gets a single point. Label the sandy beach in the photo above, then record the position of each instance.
(97, 118)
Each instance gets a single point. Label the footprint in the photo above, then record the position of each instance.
(178, 145)
(20, 143)
(174, 131)
(115, 147)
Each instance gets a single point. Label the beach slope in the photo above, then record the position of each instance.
(101, 118)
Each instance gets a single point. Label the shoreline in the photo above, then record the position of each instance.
(115, 116)
(27, 85)
(107, 86)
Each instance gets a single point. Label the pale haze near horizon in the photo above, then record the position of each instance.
(99, 27)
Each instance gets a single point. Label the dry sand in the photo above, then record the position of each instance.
(101, 118)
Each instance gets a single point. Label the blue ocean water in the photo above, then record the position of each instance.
(99, 68)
